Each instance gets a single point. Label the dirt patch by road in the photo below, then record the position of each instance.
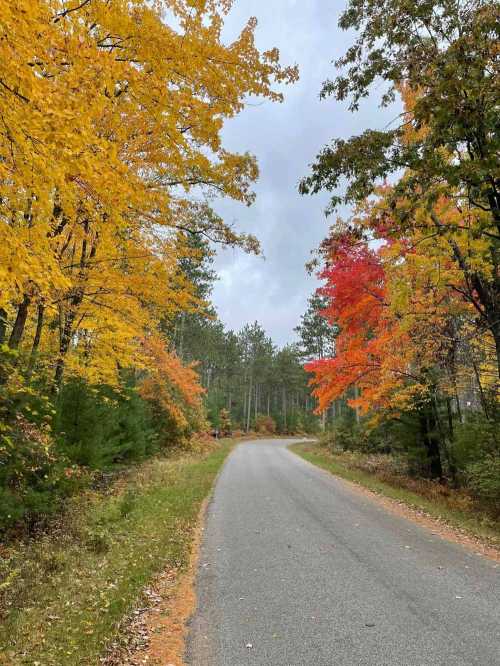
(155, 634)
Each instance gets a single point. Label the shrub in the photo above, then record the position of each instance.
(99, 427)
(127, 503)
(34, 477)
(475, 439)
(225, 424)
(265, 424)
(483, 479)
(344, 435)
(11, 509)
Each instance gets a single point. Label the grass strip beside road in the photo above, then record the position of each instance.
(64, 594)
(473, 523)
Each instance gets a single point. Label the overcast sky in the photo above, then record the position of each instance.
(285, 138)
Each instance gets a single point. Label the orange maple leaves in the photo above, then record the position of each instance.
(169, 385)
(368, 350)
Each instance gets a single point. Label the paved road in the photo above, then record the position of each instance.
(309, 572)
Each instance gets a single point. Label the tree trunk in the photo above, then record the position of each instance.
(487, 294)
(249, 404)
(431, 444)
(181, 337)
(63, 350)
(66, 331)
(443, 440)
(284, 410)
(3, 325)
(495, 329)
(482, 397)
(457, 405)
(20, 323)
(36, 339)
(449, 455)
(356, 396)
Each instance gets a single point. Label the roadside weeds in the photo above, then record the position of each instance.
(64, 595)
(156, 634)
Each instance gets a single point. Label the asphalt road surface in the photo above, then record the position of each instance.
(298, 569)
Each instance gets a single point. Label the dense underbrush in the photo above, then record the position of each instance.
(394, 452)
(54, 446)
(64, 591)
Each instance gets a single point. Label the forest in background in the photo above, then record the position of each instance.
(249, 383)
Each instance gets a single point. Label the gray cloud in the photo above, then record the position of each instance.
(285, 138)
